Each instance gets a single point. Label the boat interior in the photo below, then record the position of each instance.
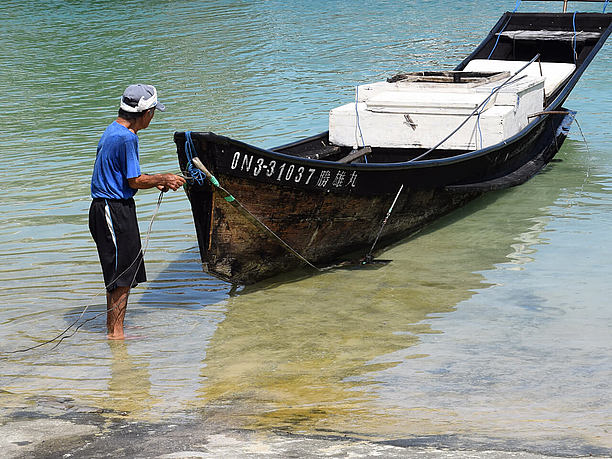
(565, 43)
(566, 39)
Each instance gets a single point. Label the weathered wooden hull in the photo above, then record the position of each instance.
(321, 228)
(323, 208)
(323, 224)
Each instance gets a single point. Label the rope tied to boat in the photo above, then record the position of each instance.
(516, 7)
(575, 55)
(368, 258)
(190, 153)
(480, 107)
(246, 212)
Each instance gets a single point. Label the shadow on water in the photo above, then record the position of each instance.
(304, 356)
(288, 353)
(353, 261)
(181, 285)
(155, 372)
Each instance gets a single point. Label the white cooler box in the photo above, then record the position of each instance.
(419, 115)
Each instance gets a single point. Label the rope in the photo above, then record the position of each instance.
(605, 5)
(571, 201)
(583, 137)
(574, 40)
(479, 129)
(482, 104)
(516, 7)
(190, 153)
(282, 242)
(357, 124)
(368, 257)
(62, 336)
(238, 205)
(588, 171)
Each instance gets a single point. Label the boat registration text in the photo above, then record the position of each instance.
(273, 170)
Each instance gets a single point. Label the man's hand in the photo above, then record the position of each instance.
(170, 181)
(162, 182)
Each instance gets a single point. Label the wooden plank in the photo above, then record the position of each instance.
(321, 152)
(473, 78)
(355, 154)
(553, 35)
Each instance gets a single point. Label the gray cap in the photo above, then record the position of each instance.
(140, 97)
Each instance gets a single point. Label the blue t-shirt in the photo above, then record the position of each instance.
(116, 161)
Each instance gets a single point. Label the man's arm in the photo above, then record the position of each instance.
(162, 181)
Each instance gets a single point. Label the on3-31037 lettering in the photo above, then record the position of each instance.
(298, 174)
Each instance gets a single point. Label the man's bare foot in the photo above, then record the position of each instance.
(116, 304)
(123, 337)
(116, 336)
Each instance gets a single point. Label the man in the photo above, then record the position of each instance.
(112, 215)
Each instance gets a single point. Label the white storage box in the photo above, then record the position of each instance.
(554, 73)
(419, 115)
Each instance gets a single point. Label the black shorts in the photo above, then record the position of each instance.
(114, 227)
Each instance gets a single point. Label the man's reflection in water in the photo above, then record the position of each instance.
(129, 386)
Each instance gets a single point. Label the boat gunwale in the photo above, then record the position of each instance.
(404, 165)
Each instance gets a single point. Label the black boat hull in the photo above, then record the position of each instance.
(311, 203)
(324, 223)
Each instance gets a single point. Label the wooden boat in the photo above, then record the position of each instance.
(313, 201)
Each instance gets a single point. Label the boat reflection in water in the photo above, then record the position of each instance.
(306, 356)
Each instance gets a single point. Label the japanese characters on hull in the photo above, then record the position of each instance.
(262, 168)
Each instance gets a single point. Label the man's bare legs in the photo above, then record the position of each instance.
(116, 304)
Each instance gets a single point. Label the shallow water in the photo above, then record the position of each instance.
(492, 326)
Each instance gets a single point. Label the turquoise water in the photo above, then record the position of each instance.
(493, 326)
